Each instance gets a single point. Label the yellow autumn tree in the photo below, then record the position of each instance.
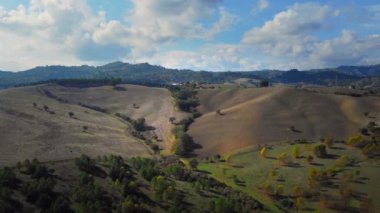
(263, 152)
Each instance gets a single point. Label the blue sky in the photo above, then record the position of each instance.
(196, 34)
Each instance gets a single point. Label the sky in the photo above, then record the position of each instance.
(214, 35)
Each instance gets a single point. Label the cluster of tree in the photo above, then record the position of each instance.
(138, 124)
(53, 96)
(89, 196)
(85, 82)
(8, 178)
(203, 184)
(86, 164)
(146, 167)
(40, 190)
(90, 193)
(96, 108)
(185, 97)
(119, 88)
(183, 144)
(33, 168)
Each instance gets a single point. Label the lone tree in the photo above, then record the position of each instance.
(71, 114)
(46, 108)
(85, 128)
(264, 83)
(34, 104)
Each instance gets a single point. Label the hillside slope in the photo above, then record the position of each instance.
(263, 115)
(154, 104)
(30, 132)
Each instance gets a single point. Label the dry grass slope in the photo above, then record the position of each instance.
(32, 132)
(263, 115)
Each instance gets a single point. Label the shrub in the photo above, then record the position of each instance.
(297, 191)
(295, 152)
(284, 159)
(193, 163)
(267, 188)
(342, 161)
(319, 150)
(71, 114)
(309, 159)
(300, 203)
(355, 140)
(328, 142)
(280, 190)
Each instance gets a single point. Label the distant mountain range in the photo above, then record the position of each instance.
(145, 73)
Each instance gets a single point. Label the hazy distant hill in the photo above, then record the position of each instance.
(152, 74)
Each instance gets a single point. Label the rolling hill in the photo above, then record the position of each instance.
(29, 131)
(148, 74)
(255, 116)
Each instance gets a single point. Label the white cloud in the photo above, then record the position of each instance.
(347, 49)
(68, 31)
(290, 35)
(288, 32)
(262, 4)
(213, 57)
(225, 21)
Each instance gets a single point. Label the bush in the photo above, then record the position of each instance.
(284, 159)
(319, 150)
(295, 152)
(193, 163)
(328, 142)
(355, 140)
(342, 161)
(309, 159)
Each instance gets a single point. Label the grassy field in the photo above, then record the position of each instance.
(251, 116)
(263, 177)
